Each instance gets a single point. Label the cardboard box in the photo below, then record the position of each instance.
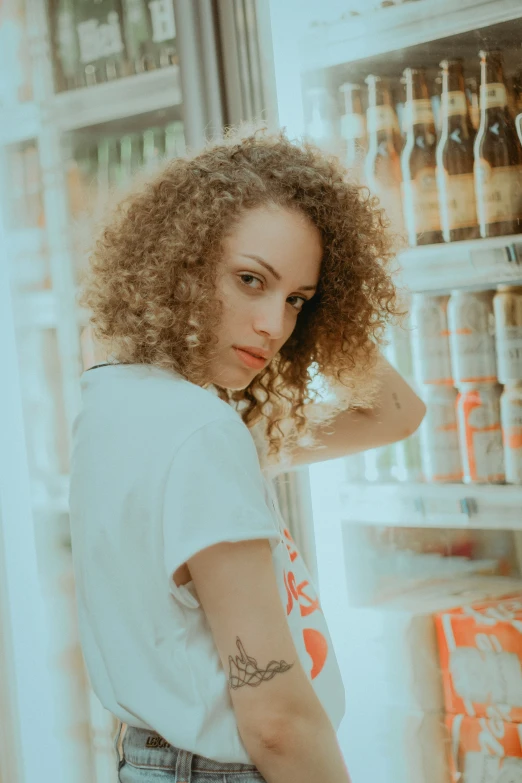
(480, 650)
(484, 750)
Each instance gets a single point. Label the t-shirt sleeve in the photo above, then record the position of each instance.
(214, 492)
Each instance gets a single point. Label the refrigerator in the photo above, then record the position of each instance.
(382, 535)
(90, 92)
(420, 99)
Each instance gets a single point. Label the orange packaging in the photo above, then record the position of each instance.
(484, 750)
(480, 652)
(471, 323)
(480, 433)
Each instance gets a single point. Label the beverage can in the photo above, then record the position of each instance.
(507, 305)
(480, 434)
(399, 348)
(430, 340)
(355, 468)
(379, 464)
(439, 439)
(472, 337)
(408, 459)
(511, 420)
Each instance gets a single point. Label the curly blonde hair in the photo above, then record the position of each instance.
(153, 269)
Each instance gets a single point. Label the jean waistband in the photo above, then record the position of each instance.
(147, 748)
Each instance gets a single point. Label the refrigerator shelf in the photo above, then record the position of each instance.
(18, 123)
(399, 27)
(477, 263)
(485, 506)
(126, 97)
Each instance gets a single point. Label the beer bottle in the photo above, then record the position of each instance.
(321, 119)
(100, 36)
(473, 101)
(517, 89)
(511, 96)
(130, 156)
(163, 31)
(398, 102)
(454, 156)
(353, 128)
(66, 43)
(498, 156)
(436, 102)
(152, 148)
(419, 183)
(175, 140)
(103, 175)
(382, 166)
(137, 26)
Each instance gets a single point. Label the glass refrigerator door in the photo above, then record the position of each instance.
(92, 92)
(419, 100)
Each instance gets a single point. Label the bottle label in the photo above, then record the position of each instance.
(454, 103)
(352, 126)
(493, 95)
(440, 452)
(511, 419)
(421, 203)
(163, 23)
(509, 353)
(497, 192)
(418, 112)
(98, 39)
(457, 200)
(481, 436)
(381, 118)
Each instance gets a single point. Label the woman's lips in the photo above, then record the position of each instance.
(254, 362)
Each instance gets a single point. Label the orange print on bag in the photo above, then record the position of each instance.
(302, 594)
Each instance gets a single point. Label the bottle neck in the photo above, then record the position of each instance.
(416, 87)
(493, 94)
(353, 123)
(454, 106)
(381, 118)
(352, 102)
(418, 109)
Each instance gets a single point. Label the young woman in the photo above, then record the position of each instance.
(217, 290)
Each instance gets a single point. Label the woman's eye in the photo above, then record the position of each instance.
(302, 299)
(251, 277)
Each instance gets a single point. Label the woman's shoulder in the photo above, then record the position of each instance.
(153, 396)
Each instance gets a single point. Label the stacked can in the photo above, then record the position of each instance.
(439, 441)
(507, 305)
(380, 464)
(474, 365)
(405, 453)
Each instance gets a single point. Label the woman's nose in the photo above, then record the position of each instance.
(271, 319)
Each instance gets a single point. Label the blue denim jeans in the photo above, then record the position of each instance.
(145, 757)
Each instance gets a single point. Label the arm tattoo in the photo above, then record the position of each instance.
(248, 672)
(395, 398)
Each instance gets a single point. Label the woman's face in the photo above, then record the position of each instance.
(261, 306)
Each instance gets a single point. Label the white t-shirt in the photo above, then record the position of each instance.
(162, 468)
